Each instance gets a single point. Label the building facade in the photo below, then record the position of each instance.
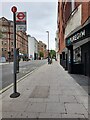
(57, 46)
(74, 36)
(7, 43)
(32, 48)
(42, 47)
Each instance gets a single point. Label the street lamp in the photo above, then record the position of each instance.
(9, 53)
(48, 46)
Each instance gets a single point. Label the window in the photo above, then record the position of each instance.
(4, 29)
(11, 36)
(5, 49)
(11, 43)
(5, 43)
(4, 36)
(2, 49)
(2, 42)
(12, 49)
(78, 54)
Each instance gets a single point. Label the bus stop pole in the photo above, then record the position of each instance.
(15, 93)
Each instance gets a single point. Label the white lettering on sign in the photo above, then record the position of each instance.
(77, 36)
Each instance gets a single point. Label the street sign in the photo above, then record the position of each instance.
(21, 21)
(21, 28)
(20, 16)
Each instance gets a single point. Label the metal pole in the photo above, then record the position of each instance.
(15, 94)
(48, 47)
(9, 42)
(15, 64)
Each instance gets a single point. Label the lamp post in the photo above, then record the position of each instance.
(48, 46)
(9, 53)
(15, 93)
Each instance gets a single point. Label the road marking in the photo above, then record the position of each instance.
(6, 88)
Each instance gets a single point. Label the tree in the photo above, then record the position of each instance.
(41, 54)
(52, 53)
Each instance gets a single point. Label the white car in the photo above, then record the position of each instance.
(2, 59)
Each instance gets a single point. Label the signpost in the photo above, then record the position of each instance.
(15, 93)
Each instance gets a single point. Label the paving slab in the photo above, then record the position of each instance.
(9, 114)
(75, 108)
(67, 99)
(40, 92)
(55, 108)
(14, 106)
(52, 98)
(36, 107)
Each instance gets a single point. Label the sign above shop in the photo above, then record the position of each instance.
(78, 35)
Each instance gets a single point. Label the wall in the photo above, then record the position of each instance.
(74, 21)
(32, 46)
(85, 11)
(0, 47)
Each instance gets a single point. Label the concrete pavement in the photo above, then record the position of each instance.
(49, 92)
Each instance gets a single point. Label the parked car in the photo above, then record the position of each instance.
(2, 59)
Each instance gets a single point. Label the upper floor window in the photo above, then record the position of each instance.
(5, 49)
(4, 36)
(4, 29)
(5, 43)
(2, 49)
(11, 43)
(12, 49)
(2, 42)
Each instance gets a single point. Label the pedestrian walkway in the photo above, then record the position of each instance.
(49, 92)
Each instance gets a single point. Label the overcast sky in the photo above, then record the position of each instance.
(41, 17)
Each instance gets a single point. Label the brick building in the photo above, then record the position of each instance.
(7, 43)
(74, 36)
(42, 48)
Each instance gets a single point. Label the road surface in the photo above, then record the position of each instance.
(6, 78)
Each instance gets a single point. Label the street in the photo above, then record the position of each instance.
(25, 67)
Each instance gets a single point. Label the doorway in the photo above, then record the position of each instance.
(85, 63)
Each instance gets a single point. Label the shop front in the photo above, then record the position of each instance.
(63, 58)
(78, 45)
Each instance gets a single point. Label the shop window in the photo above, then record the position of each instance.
(78, 54)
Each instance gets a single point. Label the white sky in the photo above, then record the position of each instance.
(41, 17)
